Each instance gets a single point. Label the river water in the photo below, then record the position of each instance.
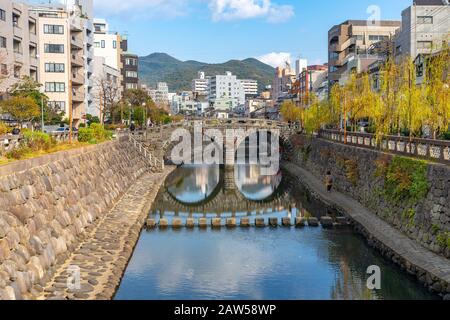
(267, 263)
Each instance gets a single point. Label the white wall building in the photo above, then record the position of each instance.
(200, 85)
(160, 95)
(226, 90)
(424, 26)
(250, 87)
(106, 44)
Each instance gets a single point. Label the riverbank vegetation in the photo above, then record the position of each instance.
(399, 99)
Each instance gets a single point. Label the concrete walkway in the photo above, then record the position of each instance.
(103, 256)
(418, 256)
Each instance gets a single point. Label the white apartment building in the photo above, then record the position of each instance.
(226, 91)
(425, 25)
(250, 87)
(65, 56)
(107, 86)
(160, 95)
(200, 85)
(18, 43)
(107, 44)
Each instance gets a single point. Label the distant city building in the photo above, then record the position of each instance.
(19, 43)
(185, 104)
(352, 46)
(200, 85)
(282, 84)
(309, 81)
(160, 95)
(425, 26)
(130, 69)
(226, 92)
(250, 87)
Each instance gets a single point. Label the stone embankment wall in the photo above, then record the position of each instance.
(48, 205)
(411, 195)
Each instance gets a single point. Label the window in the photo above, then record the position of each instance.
(96, 44)
(55, 87)
(53, 48)
(378, 38)
(3, 69)
(53, 29)
(114, 44)
(57, 105)
(15, 19)
(103, 43)
(54, 67)
(131, 86)
(17, 71)
(131, 74)
(359, 37)
(2, 15)
(130, 62)
(2, 42)
(425, 20)
(424, 44)
(334, 55)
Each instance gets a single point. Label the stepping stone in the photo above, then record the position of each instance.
(216, 223)
(231, 222)
(313, 222)
(245, 222)
(177, 223)
(300, 222)
(273, 222)
(163, 223)
(327, 222)
(151, 223)
(260, 223)
(203, 223)
(190, 223)
(286, 222)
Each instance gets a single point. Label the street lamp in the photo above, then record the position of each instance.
(144, 118)
(42, 90)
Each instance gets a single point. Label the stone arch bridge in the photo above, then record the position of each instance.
(156, 144)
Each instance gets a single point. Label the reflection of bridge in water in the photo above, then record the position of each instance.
(227, 199)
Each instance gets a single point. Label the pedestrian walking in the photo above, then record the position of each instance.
(329, 181)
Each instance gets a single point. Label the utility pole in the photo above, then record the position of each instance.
(42, 114)
(101, 109)
(70, 110)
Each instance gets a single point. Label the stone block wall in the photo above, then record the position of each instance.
(49, 204)
(356, 173)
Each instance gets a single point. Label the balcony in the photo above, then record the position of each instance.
(77, 60)
(76, 42)
(77, 78)
(78, 95)
(33, 61)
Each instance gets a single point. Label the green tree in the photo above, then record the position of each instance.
(290, 111)
(22, 109)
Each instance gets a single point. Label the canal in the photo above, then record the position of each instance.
(252, 263)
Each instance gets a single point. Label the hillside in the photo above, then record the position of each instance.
(179, 74)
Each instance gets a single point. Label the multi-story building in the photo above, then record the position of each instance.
(65, 56)
(250, 87)
(351, 46)
(282, 84)
(108, 64)
(160, 95)
(200, 85)
(107, 44)
(18, 43)
(310, 80)
(130, 71)
(425, 25)
(226, 90)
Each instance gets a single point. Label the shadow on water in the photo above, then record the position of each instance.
(266, 263)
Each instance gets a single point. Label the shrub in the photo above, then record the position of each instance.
(18, 153)
(100, 133)
(85, 134)
(37, 140)
(406, 179)
(3, 128)
(446, 135)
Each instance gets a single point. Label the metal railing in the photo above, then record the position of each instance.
(153, 160)
(428, 149)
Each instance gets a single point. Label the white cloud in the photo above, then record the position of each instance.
(228, 10)
(134, 9)
(275, 59)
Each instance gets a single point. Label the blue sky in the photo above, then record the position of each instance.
(219, 30)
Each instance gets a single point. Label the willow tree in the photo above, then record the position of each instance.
(317, 115)
(335, 98)
(290, 112)
(412, 113)
(437, 87)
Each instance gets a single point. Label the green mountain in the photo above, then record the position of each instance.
(160, 67)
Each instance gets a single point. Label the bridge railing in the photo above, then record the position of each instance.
(428, 149)
(153, 160)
